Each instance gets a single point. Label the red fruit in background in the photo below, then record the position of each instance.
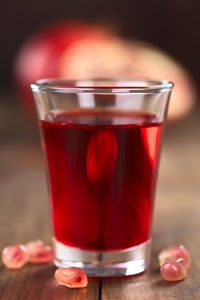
(40, 55)
(121, 58)
(76, 50)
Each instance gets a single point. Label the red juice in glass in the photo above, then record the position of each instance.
(101, 139)
(102, 172)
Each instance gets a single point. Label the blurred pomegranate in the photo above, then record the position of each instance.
(120, 58)
(40, 56)
(80, 50)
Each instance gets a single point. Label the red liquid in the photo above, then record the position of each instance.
(102, 175)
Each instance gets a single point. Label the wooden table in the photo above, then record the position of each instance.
(24, 214)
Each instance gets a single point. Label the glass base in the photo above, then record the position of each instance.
(117, 263)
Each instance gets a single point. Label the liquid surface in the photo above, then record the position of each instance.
(101, 176)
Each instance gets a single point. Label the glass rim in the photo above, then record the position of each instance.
(67, 86)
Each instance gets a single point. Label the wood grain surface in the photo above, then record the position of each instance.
(24, 214)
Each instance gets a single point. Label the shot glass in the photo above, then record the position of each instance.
(102, 140)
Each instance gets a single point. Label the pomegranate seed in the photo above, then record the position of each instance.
(173, 253)
(71, 277)
(174, 270)
(39, 252)
(15, 256)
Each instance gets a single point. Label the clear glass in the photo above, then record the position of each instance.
(102, 142)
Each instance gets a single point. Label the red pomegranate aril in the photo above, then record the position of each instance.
(15, 256)
(174, 270)
(173, 253)
(39, 252)
(71, 277)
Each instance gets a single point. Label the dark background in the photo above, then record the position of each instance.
(173, 25)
